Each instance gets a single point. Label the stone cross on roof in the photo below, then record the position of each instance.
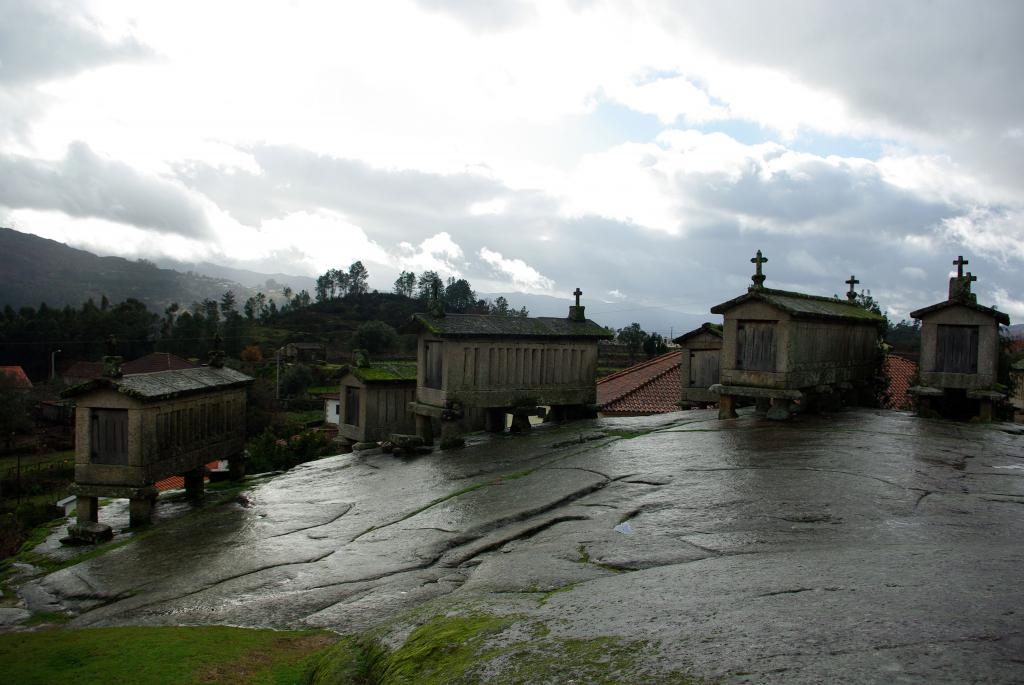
(577, 293)
(959, 263)
(852, 294)
(758, 277)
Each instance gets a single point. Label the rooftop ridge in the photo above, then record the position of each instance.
(638, 367)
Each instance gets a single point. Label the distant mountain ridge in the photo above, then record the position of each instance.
(36, 270)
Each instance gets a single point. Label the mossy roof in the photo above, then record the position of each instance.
(1001, 317)
(161, 385)
(714, 329)
(384, 372)
(801, 305)
(489, 326)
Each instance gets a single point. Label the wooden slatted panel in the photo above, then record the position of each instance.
(956, 349)
(433, 356)
(755, 345)
(352, 406)
(110, 436)
(703, 368)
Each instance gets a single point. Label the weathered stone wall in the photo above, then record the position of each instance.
(754, 311)
(988, 348)
(505, 373)
(809, 352)
(164, 438)
(825, 352)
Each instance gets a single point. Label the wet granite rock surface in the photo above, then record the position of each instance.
(866, 546)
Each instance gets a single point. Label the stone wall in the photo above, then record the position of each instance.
(988, 348)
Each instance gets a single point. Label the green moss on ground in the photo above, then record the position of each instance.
(159, 655)
(481, 647)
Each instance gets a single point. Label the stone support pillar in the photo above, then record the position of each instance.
(87, 509)
(763, 405)
(425, 429)
(985, 410)
(780, 409)
(194, 482)
(494, 420)
(236, 466)
(520, 423)
(924, 406)
(556, 414)
(140, 510)
(727, 407)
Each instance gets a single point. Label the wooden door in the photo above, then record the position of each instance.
(956, 349)
(109, 436)
(755, 345)
(703, 368)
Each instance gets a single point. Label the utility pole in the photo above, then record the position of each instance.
(277, 392)
(53, 367)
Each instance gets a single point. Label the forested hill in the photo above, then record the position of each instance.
(36, 270)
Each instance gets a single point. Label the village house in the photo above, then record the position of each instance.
(781, 348)
(700, 362)
(133, 430)
(473, 370)
(14, 377)
(304, 352)
(959, 352)
(374, 400)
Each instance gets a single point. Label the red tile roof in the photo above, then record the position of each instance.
(900, 373)
(15, 376)
(156, 361)
(650, 387)
(84, 370)
(178, 482)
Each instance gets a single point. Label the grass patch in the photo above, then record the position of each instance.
(480, 647)
(159, 655)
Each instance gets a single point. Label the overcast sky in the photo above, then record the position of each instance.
(642, 151)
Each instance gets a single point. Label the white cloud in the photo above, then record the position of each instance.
(1014, 306)
(521, 274)
(914, 272)
(437, 253)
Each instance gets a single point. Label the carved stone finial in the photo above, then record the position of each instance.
(576, 312)
(960, 263)
(852, 294)
(758, 278)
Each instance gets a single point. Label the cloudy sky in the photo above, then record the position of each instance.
(639, 150)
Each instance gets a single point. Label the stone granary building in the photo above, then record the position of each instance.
(374, 400)
(779, 347)
(134, 430)
(474, 369)
(959, 351)
(699, 365)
